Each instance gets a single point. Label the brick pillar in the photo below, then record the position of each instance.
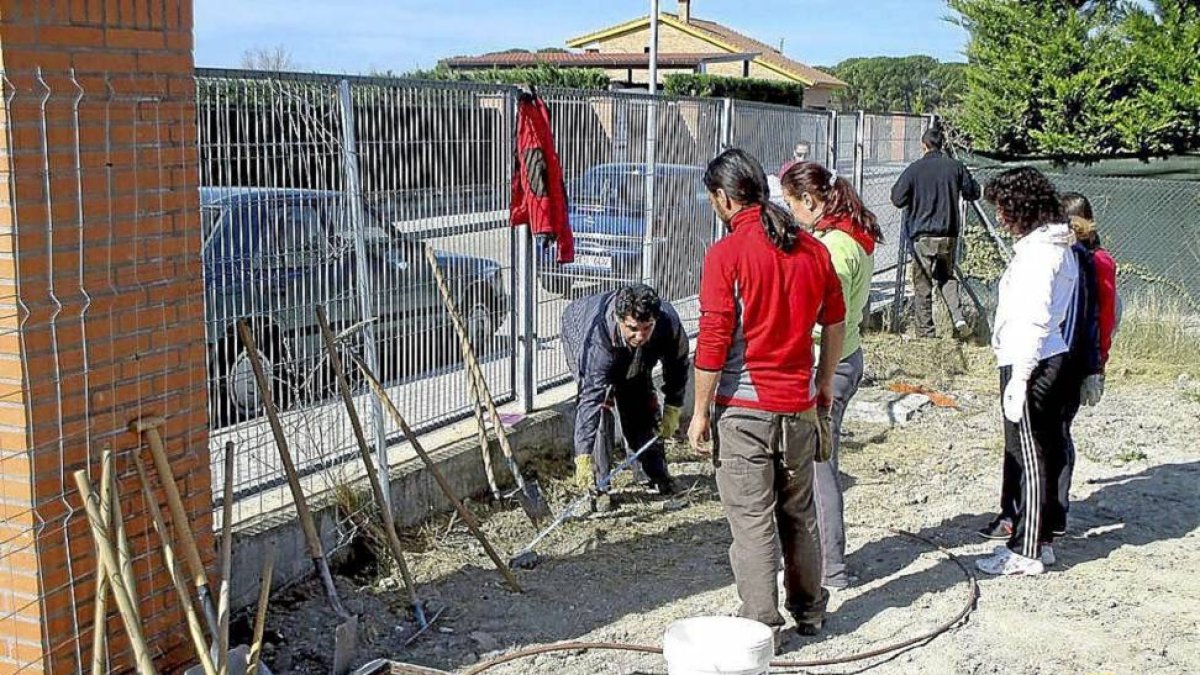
(101, 311)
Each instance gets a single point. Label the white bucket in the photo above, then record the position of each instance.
(718, 645)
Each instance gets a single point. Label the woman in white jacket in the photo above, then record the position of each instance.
(1036, 295)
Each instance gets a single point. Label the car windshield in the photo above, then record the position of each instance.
(625, 190)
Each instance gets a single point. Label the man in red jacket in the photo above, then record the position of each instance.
(764, 287)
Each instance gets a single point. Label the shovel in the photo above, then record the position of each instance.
(527, 558)
(345, 636)
(389, 520)
(528, 493)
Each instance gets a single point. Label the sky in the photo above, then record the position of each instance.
(359, 36)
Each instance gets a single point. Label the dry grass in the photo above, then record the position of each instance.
(1159, 339)
(933, 363)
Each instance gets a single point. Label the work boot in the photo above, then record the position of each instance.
(665, 486)
(809, 623)
(963, 330)
(639, 475)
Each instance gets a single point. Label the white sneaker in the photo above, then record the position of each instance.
(1004, 562)
(1047, 557)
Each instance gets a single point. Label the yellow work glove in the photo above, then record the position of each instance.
(670, 422)
(585, 477)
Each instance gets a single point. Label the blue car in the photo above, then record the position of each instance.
(270, 256)
(607, 215)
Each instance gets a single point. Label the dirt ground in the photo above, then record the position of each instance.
(1123, 598)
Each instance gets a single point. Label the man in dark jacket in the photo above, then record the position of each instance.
(928, 191)
(612, 342)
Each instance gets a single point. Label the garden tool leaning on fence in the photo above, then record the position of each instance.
(385, 512)
(528, 492)
(345, 640)
(527, 558)
(148, 427)
(468, 518)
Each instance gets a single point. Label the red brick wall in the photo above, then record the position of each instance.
(120, 146)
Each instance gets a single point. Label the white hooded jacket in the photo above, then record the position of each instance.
(1036, 294)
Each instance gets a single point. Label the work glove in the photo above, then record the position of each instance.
(1092, 390)
(670, 422)
(1013, 401)
(824, 434)
(585, 477)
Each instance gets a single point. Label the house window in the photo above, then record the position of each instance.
(745, 68)
(592, 50)
(645, 50)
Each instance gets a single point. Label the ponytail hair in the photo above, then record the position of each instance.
(744, 181)
(835, 192)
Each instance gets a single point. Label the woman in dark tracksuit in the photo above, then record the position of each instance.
(828, 206)
(1036, 296)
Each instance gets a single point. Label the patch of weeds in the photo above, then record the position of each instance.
(936, 363)
(1131, 455)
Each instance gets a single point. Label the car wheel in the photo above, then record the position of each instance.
(325, 385)
(481, 321)
(240, 396)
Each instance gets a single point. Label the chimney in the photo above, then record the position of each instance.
(685, 11)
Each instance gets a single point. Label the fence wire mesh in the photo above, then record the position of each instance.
(434, 163)
(1151, 227)
(95, 323)
(602, 141)
(326, 192)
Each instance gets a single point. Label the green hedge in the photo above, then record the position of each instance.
(541, 75)
(746, 89)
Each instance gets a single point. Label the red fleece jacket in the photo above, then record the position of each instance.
(758, 306)
(1106, 299)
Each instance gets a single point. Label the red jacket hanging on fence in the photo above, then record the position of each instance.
(539, 196)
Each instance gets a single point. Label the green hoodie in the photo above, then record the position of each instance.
(854, 269)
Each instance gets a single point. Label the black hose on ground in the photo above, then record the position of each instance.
(972, 597)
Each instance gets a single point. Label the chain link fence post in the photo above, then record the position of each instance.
(524, 290)
(859, 127)
(354, 199)
(832, 136)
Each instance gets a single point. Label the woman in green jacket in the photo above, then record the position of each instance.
(829, 206)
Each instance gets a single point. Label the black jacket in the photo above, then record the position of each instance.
(598, 357)
(1081, 330)
(928, 191)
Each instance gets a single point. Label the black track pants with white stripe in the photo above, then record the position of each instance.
(1034, 450)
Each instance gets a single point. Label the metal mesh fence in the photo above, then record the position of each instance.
(1150, 226)
(846, 145)
(325, 192)
(776, 134)
(889, 144)
(602, 142)
(330, 170)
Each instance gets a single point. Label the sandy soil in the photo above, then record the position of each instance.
(1124, 597)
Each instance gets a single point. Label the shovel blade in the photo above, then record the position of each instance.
(533, 503)
(345, 645)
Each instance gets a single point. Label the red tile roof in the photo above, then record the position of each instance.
(634, 60)
(723, 37)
